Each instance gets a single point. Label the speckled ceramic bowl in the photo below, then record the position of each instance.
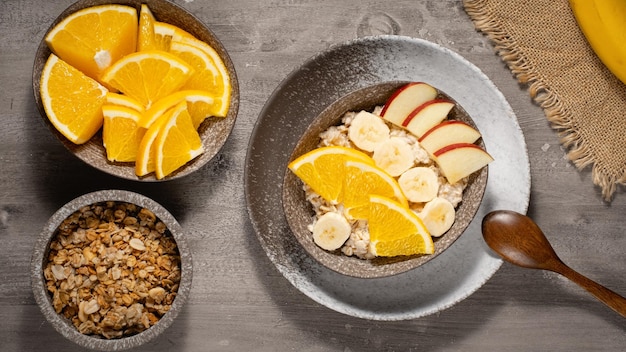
(214, 131)
(299, 212)
(40, 258)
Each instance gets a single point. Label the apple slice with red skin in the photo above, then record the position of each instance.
(447, 133)
(405, 99)
(460, 160)
(427, 115)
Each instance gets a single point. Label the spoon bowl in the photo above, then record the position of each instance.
(518, 240)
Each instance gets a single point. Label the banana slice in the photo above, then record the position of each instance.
(394, 155)
(419, 184)
(331, 231)
(438, 216)
(367, 131)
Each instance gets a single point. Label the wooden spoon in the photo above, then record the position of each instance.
(520, 241)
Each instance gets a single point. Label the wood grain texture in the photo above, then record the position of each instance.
(239, 301)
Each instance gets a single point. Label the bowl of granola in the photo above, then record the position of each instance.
(111, 270)
(421, 142)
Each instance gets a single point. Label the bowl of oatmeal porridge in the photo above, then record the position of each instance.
(303, 207)
(111, 270)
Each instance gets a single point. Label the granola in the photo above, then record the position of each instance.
(113, 269)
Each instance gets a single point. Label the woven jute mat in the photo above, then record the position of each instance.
(542, 45)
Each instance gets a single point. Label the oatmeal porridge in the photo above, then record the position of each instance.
(358, 242)
(386, 182)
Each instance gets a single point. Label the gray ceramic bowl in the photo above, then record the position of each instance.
(299, 213)
(40, 257)
(214, 131)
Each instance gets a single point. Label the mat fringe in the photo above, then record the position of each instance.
(556, 112)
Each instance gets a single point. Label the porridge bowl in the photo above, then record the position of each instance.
(212, 132)
(301, 213)
(111, 270)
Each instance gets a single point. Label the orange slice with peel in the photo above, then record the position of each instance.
(395, 229)
(148, 76)
(145, 162)
(72, 101)
(177, 143)
(221, 85)
(323, 169)
(121, 134)
(123, 100)
(206, 75)
(364, 179)
(94, 38)
(165, 32)
(145, 36)
(200, 105)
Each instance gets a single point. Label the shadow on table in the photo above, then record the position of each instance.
(509, 287)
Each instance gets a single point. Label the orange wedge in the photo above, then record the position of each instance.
(145, 162)
(363, 179)
(200, 105)
(120, 133)
(123, 100)
(206, 73)
(164, 32)
(72, 101)
(214, 77)
(148, 76)
(177, 143)
(396, 230)
(323, 169)
(146, 37)
(155, 35)
(94, 38)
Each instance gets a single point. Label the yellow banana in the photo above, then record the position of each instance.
(603, 22)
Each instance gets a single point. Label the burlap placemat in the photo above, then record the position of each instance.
(541, 43)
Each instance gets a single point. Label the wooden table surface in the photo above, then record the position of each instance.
(239, 300)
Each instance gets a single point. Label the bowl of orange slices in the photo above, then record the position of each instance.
(147, 94)
(385, 179)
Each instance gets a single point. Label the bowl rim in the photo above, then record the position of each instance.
(351, 265)
(64, 326)
(214, 132)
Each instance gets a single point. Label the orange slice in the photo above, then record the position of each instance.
(148, 76)
(164, 32)
(214, 77)
(146, 38)
(121, 134)
(177, 143)
(323, 169)
(396, 230)
(145, 162)
(155, 35)
(72, 101)
(206, 73)
(94, 38)
(363, 179)
(200, 105)
(123, 100)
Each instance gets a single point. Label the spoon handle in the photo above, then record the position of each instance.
(608, 297)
